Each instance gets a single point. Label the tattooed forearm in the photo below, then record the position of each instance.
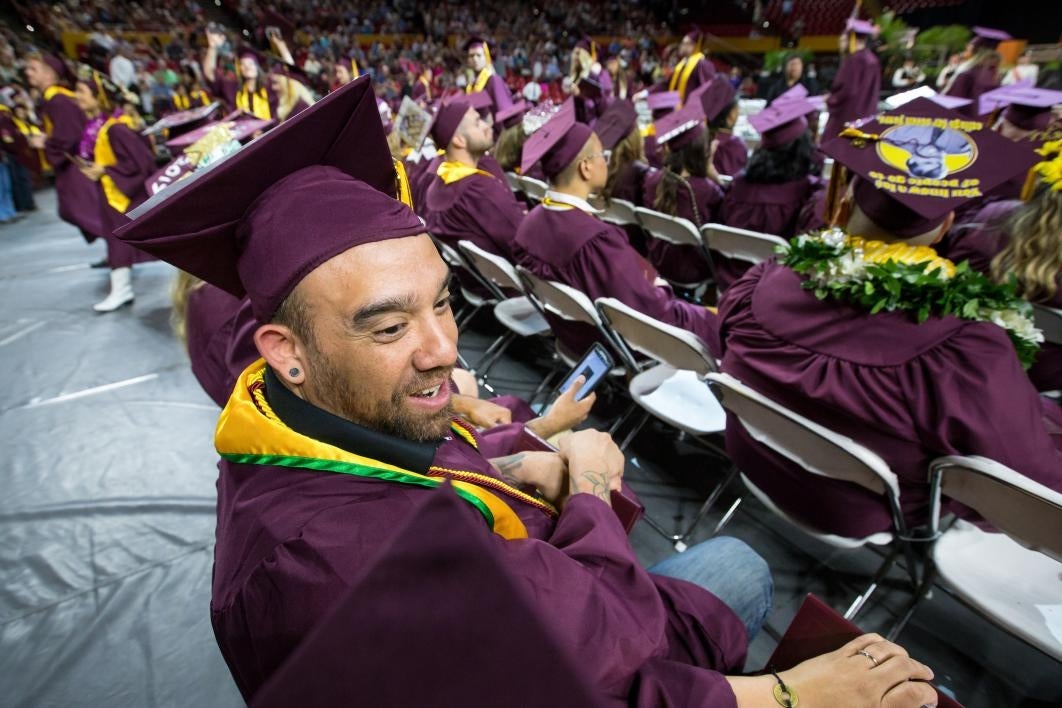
(508, 466)
(595, 483)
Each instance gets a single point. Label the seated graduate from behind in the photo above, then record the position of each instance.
(777, 192)
(627, 167)
(720, 105)
(1025, 240)
(851, 352)
(563, 239)
(464, 202)
(329, 442)
(688, 187)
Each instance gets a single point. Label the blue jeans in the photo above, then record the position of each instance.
(730, 570)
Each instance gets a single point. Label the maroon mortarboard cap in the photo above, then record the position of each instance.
(781, 123)
(481, 101)
(482, 614)
(586, 42)
(818, 102)
(557, 143)
(919, 162)
(682, 127)
(663, 101)
(950, 102)
(260, 220)
(447, 118)
(694, 35)
(860, 28)
(474, 42)
(292, 71)
(794, 93)
(989, 37)
(618, 120)
(246, 50)
(511, 116)
(715, 96)
(59, 66)
(1027, 107)
(182, 119)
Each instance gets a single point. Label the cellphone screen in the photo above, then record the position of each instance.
(593, 366)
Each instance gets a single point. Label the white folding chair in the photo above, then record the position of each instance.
(534, 189)
(464, 271)
(825, 453)
(620, 212)
(518, 314)
(677, 231)
(672, 390)
(514, 181)
(1012, 578)
(741, 244)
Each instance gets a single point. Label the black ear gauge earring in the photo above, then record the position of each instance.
(293, 372)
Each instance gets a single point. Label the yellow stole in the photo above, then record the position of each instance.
(403, 193)
(50, 93)
(451, 172)
(257, 104)
(104, 156)
(249, 432)
(182, 103)
(682, 73)
(481, 80)
(427, 87)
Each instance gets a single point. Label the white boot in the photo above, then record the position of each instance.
(121, 291)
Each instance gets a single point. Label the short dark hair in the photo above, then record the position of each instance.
(294, 313)
(785, 163)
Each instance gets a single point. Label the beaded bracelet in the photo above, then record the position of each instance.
(786, 696)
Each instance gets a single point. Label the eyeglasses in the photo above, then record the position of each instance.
(605, 154)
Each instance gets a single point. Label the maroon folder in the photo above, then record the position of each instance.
(818, 629)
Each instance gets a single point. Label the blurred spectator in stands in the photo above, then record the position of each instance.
(1024, 71)
(792, 74)
(948, 71)
(908, 76)
(121, 68)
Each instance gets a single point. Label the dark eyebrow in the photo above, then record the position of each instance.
(401, 303)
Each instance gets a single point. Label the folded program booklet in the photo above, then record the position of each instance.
(818, 629)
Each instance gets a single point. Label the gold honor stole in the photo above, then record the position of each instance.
(451, 172)
(50, 93)
(481, 80)
(256, 104)
(249, 432)
(104, 156)
(682, 73)
(183, 103)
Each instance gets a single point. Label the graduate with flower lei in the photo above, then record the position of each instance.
(865, 329)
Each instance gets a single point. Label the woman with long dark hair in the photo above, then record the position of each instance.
(778, 189)
(118, 160)
(687, 187)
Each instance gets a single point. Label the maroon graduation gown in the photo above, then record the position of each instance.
(855, 92)
(500, 96)
(477, 208)
(419, 182)
(135, 164)
(291, 541)
(783, 210)
(971, 84)
(684, 264)
(78, 195)
(227, 88)
(580, 250)
(219, 329)
(980, 245)
(909, 392)
(731, 154)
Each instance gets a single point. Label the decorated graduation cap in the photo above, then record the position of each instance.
(681, 128)
(916, 164)
(257, 222)
(512, 115)
(557, 143)
(988, 37)
(781, 123)
(618, 120)
(1027, 107)
(714, 96)
(448, 117)
(239, 125)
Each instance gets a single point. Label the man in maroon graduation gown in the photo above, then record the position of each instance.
(64, 124)
(484, 77)
(562, 239)
(463, 201)
(331, 441)
(693, 68)
(857, 87)
(908, 391)
(979, 72)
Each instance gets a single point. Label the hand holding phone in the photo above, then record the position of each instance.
(594, 365)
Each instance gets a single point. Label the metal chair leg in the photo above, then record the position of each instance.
(929, 574)
(862, 598)
(634, 431)
(494, 354)
(614, 428)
